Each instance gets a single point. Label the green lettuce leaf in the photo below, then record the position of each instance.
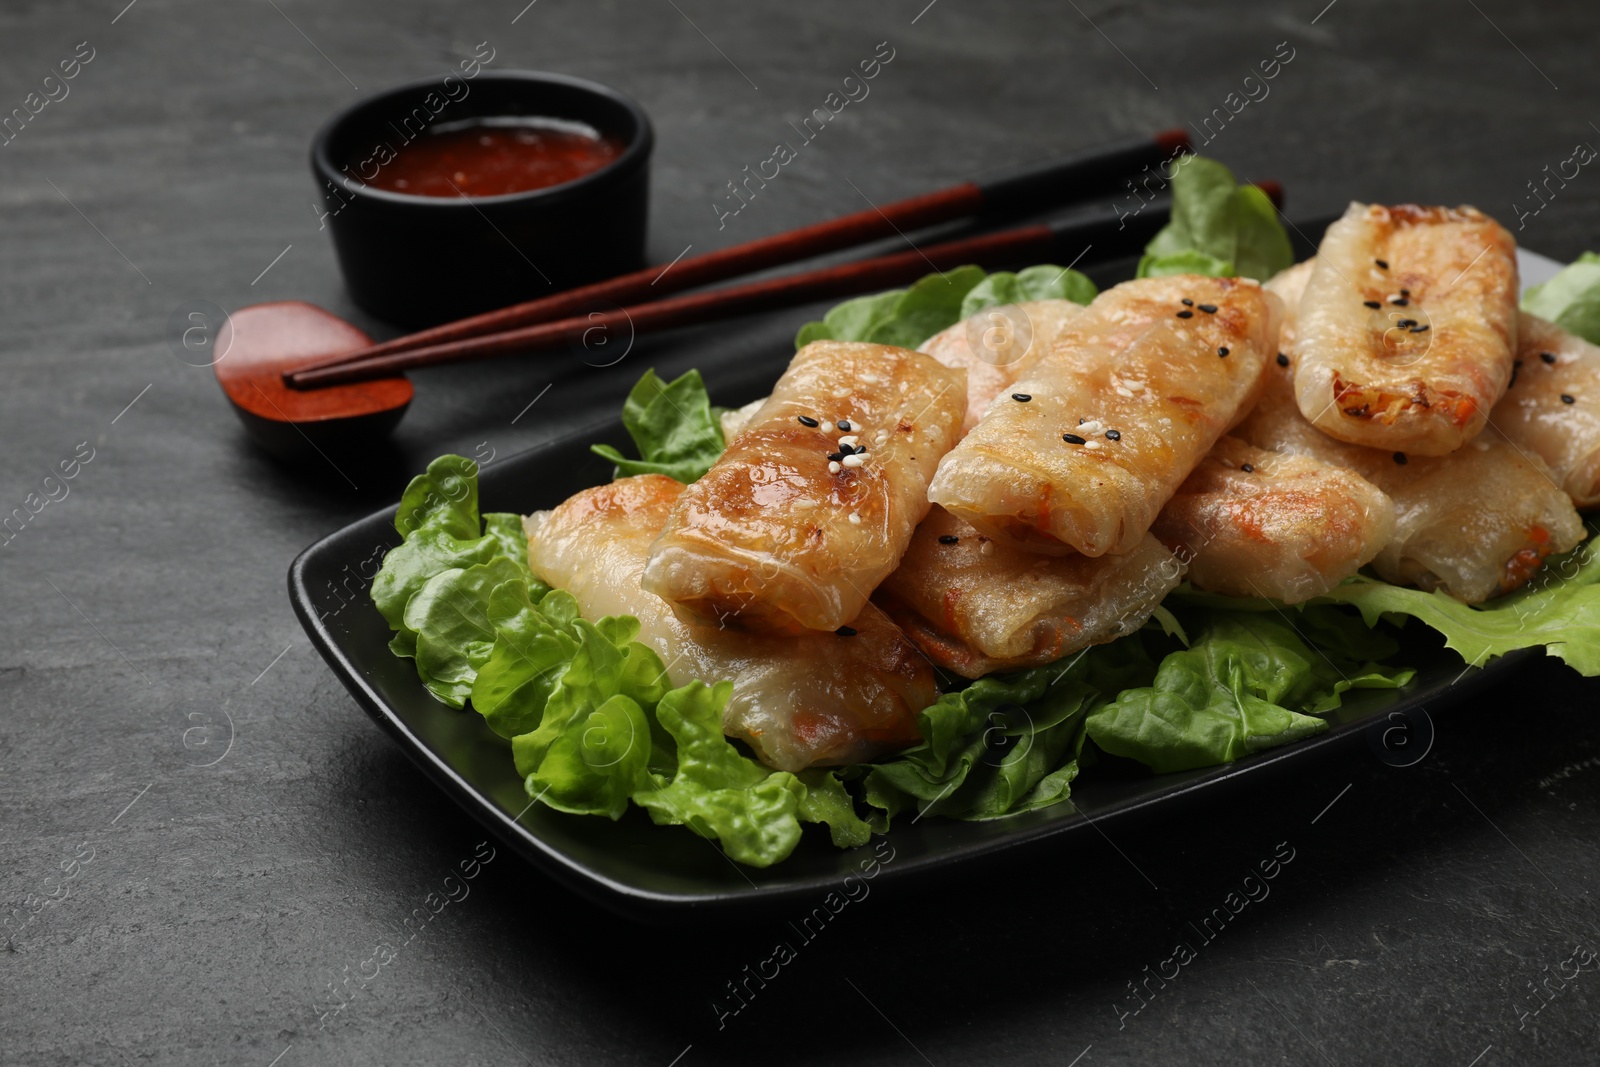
(450, 617)
(1571, 299)
(1043, 282)
(1218, 227)
(1234, 691)
(904, 317)
(828, 801)
(672, 425)
(1559, 610)
(718, 793)
(531, 649)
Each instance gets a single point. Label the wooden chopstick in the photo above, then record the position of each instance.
(1096, 240)
(1072, 178)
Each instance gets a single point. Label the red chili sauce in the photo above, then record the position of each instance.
(492, 157)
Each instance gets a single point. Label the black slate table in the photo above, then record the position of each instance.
(224, 839)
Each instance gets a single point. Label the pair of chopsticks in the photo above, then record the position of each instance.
(550, 322)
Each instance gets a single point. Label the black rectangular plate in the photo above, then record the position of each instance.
(668, 873)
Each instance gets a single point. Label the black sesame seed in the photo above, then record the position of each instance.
(1247, 468)
(948, 539)
(846, 631)
(1072, 439)
(1209, 309)
(844, 424)
(1223, 352)
(807, 420)
(1382, 263)
(1406, 322)
(1022, 398)
(1400, 302)
(1185, 314)
(1548, 357)
(1400, 458)
(1405, 292)
(1567, 398)
(1283, 360)
(1188, 303)
(1419, 329)
(1372, 304)
(1113, 435)
(835, 456)
(1082, 421)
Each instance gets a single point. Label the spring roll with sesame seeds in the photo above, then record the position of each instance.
(1552, 407)
(815, 500)
(975, 605)
(1476, 523)
(1100, 430)
(1255, 523)
(995, 344)
(817, 699)
(1406, 332)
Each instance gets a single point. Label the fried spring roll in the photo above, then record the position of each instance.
(819, 699)
(975, 605)
(993, 346)
(1476, 523)
(1552, 407)
(1408, 326)
(1130, 397)
(1257, 523)
(814, 501)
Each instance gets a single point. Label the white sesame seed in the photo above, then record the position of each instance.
(849, 439)
(1091, 444)
(855, 459)
(986, 548)
(833, 466)
(855, 520)
(1124, 392)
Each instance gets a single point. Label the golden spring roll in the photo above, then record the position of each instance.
(818, 699)
(994, 345)
(1552, 407)
(1476, 523)
(1100, 430)
(815, 500)
(974, 605)
(1407, 328)
(1257, 523)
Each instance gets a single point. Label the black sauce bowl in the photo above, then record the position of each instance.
(421, 260)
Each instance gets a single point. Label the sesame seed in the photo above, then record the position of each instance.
(1283, 360)
(837, 456)
(987, 548)
(1400, 302)
(1188, 303)
(1113, 435)
(846, 631)
(844, 424)
(848, 441)
(1091, 444)
(1247, 468)
(833, 466)
(1209, 309)
(948, 539)
(1406, 322)
(855, 459)
(1400, 458)
(807, 420)
(1072, 439)
(855, 520)
(1382, 264)
(1405, 292)
(1372, 304)
(1548, 357)
(1022, 398)
(1419, 329)
(1185, 314)
(1567, 398)
(1223, 351)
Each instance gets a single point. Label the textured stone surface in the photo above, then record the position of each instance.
(206, 920)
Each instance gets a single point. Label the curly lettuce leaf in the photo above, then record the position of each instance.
(1571, 299)
(449, 615)
(718, 793)
(531, 649)
(672, 425)
(1236, 689)
(827, 801)
(1559, 610)
(1218, 227)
